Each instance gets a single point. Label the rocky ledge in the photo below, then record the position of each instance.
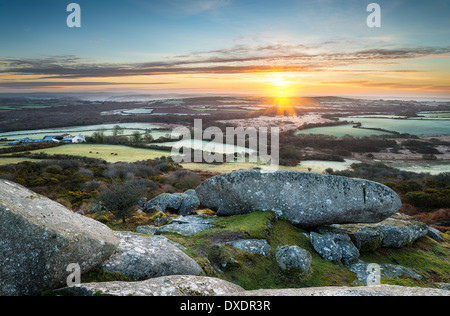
(294, 229)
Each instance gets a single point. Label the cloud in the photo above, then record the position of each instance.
(182, 7)
(52, 84)
(389, 85)
(238, 59)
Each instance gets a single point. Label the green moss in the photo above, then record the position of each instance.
(100, 275)
(426, 257)
(253, 271)
(250, 226)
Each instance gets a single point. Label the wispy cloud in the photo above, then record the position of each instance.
(389, 85)
(237, 59)
(182, 7)
(61, 84)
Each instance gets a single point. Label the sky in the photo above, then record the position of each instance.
(264, 47)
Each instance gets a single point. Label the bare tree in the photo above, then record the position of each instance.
(122, 197)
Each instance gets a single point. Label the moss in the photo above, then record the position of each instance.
(250, 226)
(253, 271)
(100, 275)
(372, 246)
(426, 257)
(34, 197)
(402, 281)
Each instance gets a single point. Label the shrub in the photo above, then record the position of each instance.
(124, 171)
(184, 179)
(122, 197)
(430, 198)
(78, 197)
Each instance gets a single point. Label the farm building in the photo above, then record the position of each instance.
(68, 139)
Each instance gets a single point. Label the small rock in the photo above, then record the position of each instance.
(435, 234)
(164, 201)
(364, 270)
(97, 208)
(187, 225)
(326, 247)
(141, 202)
(260, 246)
(180, 203)
(350, 254)
(293, 257)
(335, 247)
(191, 193)
(189, 205)
(146, 230)
(443, 286)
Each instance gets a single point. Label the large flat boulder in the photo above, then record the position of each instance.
(145, 257)
(40, 238)
(395, 232)
(180, 285)
(305, 199)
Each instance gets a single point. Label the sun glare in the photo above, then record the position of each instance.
(281, 84)
(283, 88)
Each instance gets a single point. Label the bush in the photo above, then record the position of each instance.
(430, 198)
(122, 197)
(124, 171)
(184, 179)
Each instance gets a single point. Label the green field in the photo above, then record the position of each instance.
(416, 126)
(305, 166)
(130, 154)
(436, 114)
(104, 152)
(10, 161)
(435, 124)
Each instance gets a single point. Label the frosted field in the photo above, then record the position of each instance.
(128, 129)
(433, 169)
(207, 146)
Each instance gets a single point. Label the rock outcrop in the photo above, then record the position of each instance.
(259, 246)
(163, 286)
(395, 232)
(144, 257)
(378, 290)
(205, 286)
(364, 271)
(305, 199)
(335, 247)
(180, 203)
(41, 238)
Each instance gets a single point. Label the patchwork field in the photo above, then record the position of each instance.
(107, 129)
(110, 153)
